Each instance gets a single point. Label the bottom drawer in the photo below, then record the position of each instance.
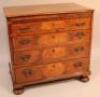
(51, 71)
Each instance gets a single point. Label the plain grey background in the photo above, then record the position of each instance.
(64, 89)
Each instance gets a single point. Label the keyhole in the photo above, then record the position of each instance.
(53, 37)
(53, 50)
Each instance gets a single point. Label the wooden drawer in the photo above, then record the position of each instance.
(52, 39)
(51, 71)
(79, 23)
(26, 57)
(54, 25)
(78, 50)
(18, 29)
(68, 67)
(70, 51)
(78, 35)
(54, 53)
(24, 43)
(27, 74)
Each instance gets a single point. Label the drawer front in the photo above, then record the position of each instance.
(53, 70)
(23, 43)
(78, 35)
(52, 39)
(79, 23)
(30, 25)
(18, 29)
(26, 57)
(28, 74)
(78, 50)
(66, 68)
(54, 53)
(52, 25)
(75, 66)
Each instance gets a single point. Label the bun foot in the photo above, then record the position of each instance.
(18, 91)
(84, 78)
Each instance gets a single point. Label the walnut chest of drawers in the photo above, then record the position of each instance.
(48, 43)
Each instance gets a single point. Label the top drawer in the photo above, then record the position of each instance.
(49, 23)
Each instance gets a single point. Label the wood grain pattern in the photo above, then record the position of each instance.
(54, 53)
(52, 40)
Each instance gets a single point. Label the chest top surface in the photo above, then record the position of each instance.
(44, 9)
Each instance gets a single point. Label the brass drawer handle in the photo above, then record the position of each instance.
(24, 30)
(78, 64)
(79, 34)
(27, 72)
(79, 49)
(24, 41)
(25, 57)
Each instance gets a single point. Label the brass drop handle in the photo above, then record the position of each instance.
(27, 72)
(78, 64)
(24, 41)
(25, 57)
(80, 34)
(79, 49)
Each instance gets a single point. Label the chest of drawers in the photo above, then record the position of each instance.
(49, 43)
